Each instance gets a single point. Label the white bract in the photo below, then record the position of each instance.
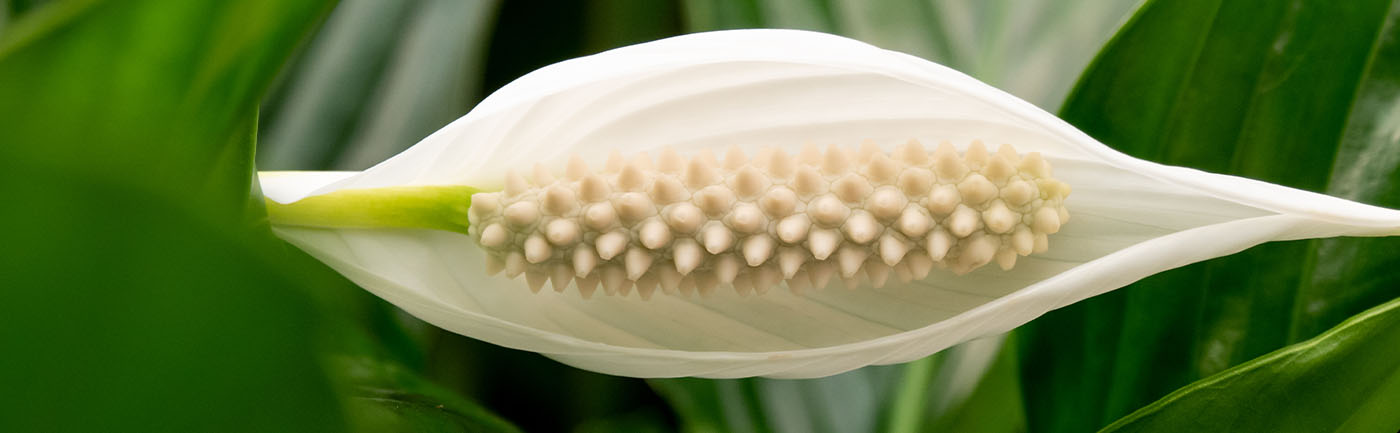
(783, 89)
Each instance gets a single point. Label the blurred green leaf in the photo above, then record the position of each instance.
(1263, 91)
(851, 401)
(139, 298)
(148, 296)
(706, 406)
(433, 78)
(374, 361)
(1317, 385)
(767, 405)
(907, 414)
(1032, 49)
(995, 405)
(706, 15)
(640, 422)
(124, 312)
(233, 175)
(320, 99)
(614, 23)
(386, 397)
(146, 93)
(910, 397)
(11, 9)
(911, 26)
(382, 76)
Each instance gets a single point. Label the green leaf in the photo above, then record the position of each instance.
(706, 406)
(1033, 49)
(374, 361)
(1316, 385)
(640, 422)
(126, 312)
(148, 295)
(233, 176)
(917, 396)
(706, 15)
(995, 405)
(5, 14)
(611, 24)
(432, 78)
(911, 26)
(139, 298)
(313, 111)
(386, 397)
(1345, 276)
(907, 414)
(146, 93)
(851, 401)
(382, 76)
(935, 392)
(1263, 91)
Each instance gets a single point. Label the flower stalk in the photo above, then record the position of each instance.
(437, 207)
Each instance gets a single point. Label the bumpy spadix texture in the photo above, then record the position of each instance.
(780, 89)
(773, 219)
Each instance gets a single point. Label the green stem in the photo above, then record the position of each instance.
(427, 207)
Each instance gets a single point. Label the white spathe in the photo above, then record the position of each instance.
(754, 88)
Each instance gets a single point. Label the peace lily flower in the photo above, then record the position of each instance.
(402, 231)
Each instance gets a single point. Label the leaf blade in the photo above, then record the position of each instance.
(1240, 97)
(1351, 365)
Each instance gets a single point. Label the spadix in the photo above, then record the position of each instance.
(905, 212)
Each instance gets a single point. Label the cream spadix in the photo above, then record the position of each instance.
(766, 89)
(903, 212)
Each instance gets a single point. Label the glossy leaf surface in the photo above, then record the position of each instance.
(1346, 379)
(1263, 92)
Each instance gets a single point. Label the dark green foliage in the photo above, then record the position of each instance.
(1266, 91)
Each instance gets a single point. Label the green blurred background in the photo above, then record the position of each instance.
(143, 290)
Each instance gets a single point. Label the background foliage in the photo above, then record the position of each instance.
(143, 290)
